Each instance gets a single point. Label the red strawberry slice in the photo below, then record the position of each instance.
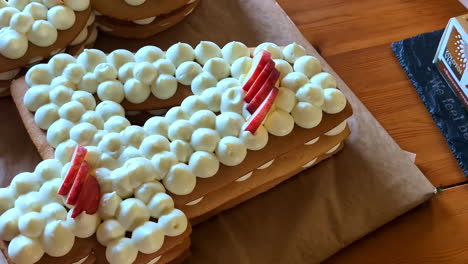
(259, 116)
(88, 200)
(264, 91)
(259, 61)
(259, 81)
(77, 159)
(80, 179)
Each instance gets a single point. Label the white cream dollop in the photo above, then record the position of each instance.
(57, 239)
(119, 57)
(164, 87)
(116, 124)
(134, 135)
(88, 83)
(202, 82)
(205, 139)
(180, 180)
(77, 5)
(62, 17)
(163, 162)
(293, 51)
(90, 58)
(218, 67)
(36, 97)
(132, 213)
(212, 98)
(121, 251)
(255, 141)
(160, 204)
(311, 93)
(308, 65)
(46, 115)
(154, 144)
(180, 129)
(323, 80)
(83, 133)
(232, 100)
(283, 67)
(294, 80)
(174, 223)
(231, 151)
(24, 183)
(149, 54)
(38, 74)
(334, 101)
(148, 238)
(234, 50)
(241, 66)
(85, 98)
(108, 205)
(279, 123)
(48, 169)
(206, 50)
(165, 66)
(92, 118)
(7, 199)
(37, 10)
(274, 49)
(146, 191)
(187, 71)
(106, 109)
(192, 104)
(54, 211)
(108, 231)
(229, 124)
(23, 249)
(156, 125)
(179, 53)
(286, 99)
(74, 72)
(84, 225)
(203, 119)
(31, 224)
(9, 224)
(204, 164)
(13, 45)
(111, 91)
(60, 95)
(72, 111)
(64, 151)
(181, 149)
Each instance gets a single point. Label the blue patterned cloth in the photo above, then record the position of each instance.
(415, 55)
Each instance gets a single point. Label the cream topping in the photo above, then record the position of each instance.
(293, 51)
(202, 82)
(231, 151)
(173, 223)
(334, 101)
(160, 204)
(306, 115)
(206, 50)
(148, 238)
(23, 249)
(203, 164)
(109, 230)
(234, 50)
(147, 191)
(180, 180)
(132, 213)
(241, 66)
(274, 49)
(279, 123)
(57, 239)
(308, 65)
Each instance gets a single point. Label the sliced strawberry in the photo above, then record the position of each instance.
(80, 179)
(89, 197)
(259, 61)
(77, 159)
(259, 116)
(259, 81)
(264, 91)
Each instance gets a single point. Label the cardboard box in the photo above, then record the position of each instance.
(452, 56)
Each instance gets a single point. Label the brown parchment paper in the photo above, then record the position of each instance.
(305, 219)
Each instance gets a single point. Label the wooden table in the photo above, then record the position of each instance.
(354, 36)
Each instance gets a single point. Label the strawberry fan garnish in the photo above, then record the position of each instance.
(260, 89)
(81, 188)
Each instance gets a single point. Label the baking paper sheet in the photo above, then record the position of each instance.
(304, 220)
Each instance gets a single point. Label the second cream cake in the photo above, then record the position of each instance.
(140, 19)
(236, 136)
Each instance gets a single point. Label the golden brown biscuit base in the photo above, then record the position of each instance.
(276, 146)
(130, 30)
(119, 9)
(283, 168)
(64, 38)
(172, 248)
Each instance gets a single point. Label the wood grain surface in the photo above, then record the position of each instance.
(354, 37)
